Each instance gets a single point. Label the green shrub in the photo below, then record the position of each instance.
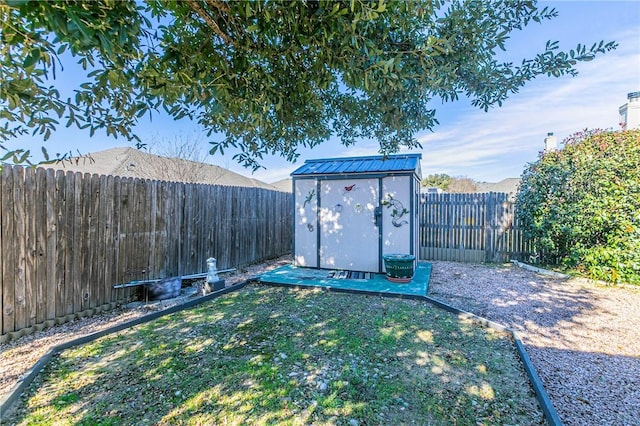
(581, 204)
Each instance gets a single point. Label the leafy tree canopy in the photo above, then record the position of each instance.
(581, 205)
(269, 75)
(437, 180)
(454, 184)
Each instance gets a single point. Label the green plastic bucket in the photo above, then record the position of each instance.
(399, 265)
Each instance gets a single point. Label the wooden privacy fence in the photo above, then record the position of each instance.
(471, 228)
(66, 238)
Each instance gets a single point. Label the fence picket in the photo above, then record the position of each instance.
(20, 246)
(8, 253)
(30, 248)
(69, 238)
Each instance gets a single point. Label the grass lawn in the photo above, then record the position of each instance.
(266, 355)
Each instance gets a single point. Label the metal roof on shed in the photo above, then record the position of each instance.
(372, 164)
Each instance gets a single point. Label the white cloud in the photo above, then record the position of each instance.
(496, 145)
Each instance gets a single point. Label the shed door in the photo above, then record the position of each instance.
(349, 237)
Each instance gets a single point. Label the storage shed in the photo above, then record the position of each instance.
(349, 212)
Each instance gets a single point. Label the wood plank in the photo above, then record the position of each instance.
(239, 226)
(116, 273)
(72, 237)
(189, 231)
(97, 241)
(223, 208)
(86, 243)
(183, 224)
(124, 211)
(61, 243)
(50, 244)
(76, 243)
(162, 222)
(217, 234)
(168, 219)
(69, 237)
(471, 221)
(20, 245)
(178, 226)
(203, 243)
(137, 266)
(8, 253)
(31, 252)
(2, 251)
(208, 223)
(41, 244)
(200, 264)
(110, 267)
(233, 225)
(141, 236)
(254, 204)
(106, 239)
(152, 194)
(91, 290)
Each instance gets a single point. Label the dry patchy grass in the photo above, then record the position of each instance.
(267, 355)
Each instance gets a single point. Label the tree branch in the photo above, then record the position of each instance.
(221, 6)
(208, 19)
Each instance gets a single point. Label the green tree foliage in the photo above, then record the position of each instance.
(437, 180)
(455, 184)
(268, 75)
(582, 204)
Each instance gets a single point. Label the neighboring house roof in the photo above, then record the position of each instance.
(509, 185)
(130, 162)
(371, 164)
(284, 185)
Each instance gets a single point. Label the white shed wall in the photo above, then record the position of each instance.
(396, 215)
(335, 221)
(349, 237)
(306, 223)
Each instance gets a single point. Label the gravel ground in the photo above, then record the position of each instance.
(583, 338)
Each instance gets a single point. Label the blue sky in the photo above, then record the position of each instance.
(468, 142)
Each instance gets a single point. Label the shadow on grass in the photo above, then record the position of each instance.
(284, 356)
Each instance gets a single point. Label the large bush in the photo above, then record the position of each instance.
(581, 204)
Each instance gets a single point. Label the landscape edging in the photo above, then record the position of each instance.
(549, 411)
(541, 395)
(539, 270)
